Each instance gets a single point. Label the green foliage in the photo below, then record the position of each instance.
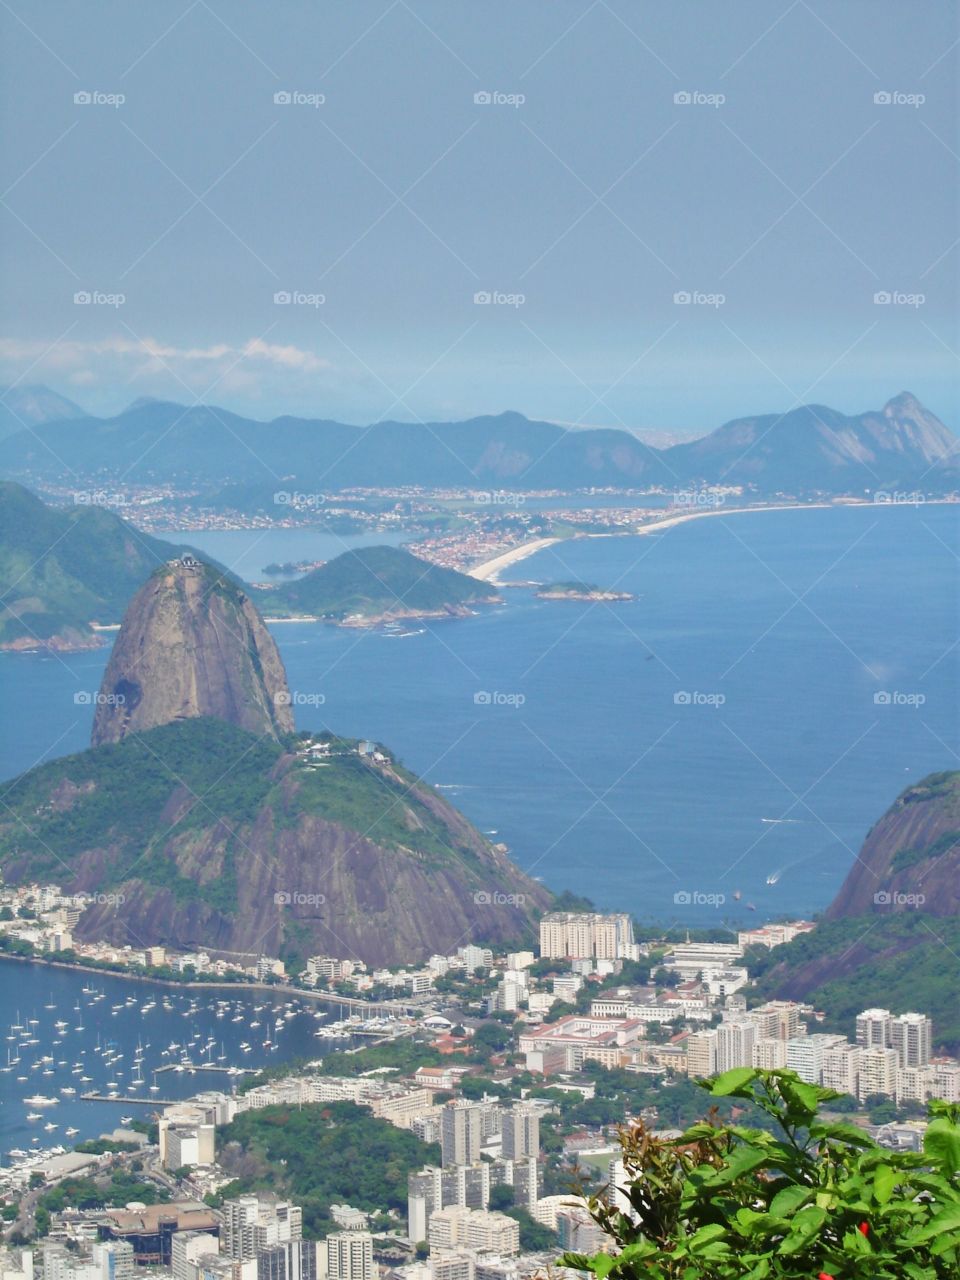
(79, 1192)
(805, 1198)
(372, 581)
(905, 858)
(101, 1146)
(906, 962)
(61, 569)
(323, 1154)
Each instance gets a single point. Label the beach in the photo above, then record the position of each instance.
(490, 570)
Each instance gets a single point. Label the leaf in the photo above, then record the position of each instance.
(941, 1143)
(602, 1264)
(805, 1097)
(732, 1081)
(884, 1180)
(804, 1227)
(788, 1200)
(946, 1220)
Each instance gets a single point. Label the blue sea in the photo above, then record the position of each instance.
(712, 751)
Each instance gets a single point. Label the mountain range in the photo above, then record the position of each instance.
(807, 449)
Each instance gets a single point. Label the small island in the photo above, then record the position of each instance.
(578, 591)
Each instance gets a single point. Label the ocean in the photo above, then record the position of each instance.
(710, 752)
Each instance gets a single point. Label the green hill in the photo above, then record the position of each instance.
(373, 583)
(207, 835)
(61, 569)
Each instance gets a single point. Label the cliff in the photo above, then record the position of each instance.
(192, 644)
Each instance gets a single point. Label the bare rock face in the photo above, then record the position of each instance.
(911, 857)
(192, 644)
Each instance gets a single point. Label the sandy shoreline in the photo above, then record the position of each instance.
(489, 570)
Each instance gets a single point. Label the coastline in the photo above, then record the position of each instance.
(489, 570)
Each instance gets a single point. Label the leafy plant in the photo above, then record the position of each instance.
(809, 1199)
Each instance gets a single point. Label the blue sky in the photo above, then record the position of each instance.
(780, 163)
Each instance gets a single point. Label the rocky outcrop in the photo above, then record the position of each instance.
(911, 857)
(192, 644)
(198, 835)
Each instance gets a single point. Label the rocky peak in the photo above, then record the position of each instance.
(192, 643)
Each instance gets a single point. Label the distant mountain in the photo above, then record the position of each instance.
(60, 570)
(376, 583)
(27, 407)
(807, 449)
(199, 834)
(814, 447)
(891, 937)
(192, 644)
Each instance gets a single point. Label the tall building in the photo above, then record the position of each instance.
(350, 1256)
(520, 1129)
(473, 1229)
(776, 1020)
(460, 1132)
(873, 1029)
(582, 935)
(186, 1248)
(252, 1224)
(878, 1073)
(115, 1258)
(769, 1053)
(702, 1053)
(805, 1055)
(841, 1068)
(735, 1041)
(911, 1035)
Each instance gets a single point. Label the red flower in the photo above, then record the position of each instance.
(864, 1228)
(824, 1275)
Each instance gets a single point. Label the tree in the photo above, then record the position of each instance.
(501, 1197)
(805, 1199)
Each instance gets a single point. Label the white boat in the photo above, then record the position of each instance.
(72, 1133)
(38, 1100)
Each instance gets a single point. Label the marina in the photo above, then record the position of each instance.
(130, 1046)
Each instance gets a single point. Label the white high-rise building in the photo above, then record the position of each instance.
(911, 1034)
(350, 1256)
(805, 1055)
(581, 935)
(461, 1132)
(252, 1223)
(878, 1073)
(873, 1029)
(521, 1132)
(702, 1053)
(769, 1053)
(841, 1068)
(735, 1041)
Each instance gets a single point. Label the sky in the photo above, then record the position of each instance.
(614, 213)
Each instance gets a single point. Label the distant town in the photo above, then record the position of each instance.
(515, 1069)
